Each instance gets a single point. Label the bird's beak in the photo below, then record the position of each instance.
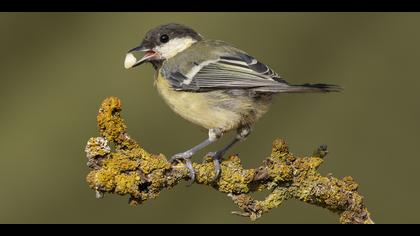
(131, 61)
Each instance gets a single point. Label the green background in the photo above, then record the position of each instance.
(56, 68)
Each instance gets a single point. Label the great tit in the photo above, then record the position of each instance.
(212, 84)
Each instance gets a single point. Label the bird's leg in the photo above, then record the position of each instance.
(217, 156)
(242, 133)
(214, 134)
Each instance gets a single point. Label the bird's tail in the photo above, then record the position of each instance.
(312, 88)
(299, 88)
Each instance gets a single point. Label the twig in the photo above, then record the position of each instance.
(130, 170)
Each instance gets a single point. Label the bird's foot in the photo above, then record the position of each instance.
(185, 156)
(216, 156)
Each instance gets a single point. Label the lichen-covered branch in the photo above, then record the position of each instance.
(131, 170)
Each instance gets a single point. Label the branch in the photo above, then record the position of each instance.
(131, 170)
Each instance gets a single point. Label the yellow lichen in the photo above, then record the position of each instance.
(280, 172)
(131, 170)
(111, 125)
(97, 147)
(205, 173)
(233, 178)
(157, 180)
(150, 163)
(90, 179)
(279, 148)
(350, 184)
(127, 183)
(273, 200)
(104, 179)
(119, 162)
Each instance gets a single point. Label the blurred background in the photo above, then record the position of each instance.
(56, 68)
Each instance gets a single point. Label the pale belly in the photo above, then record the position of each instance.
(210, 109)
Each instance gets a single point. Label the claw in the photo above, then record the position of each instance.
(191, 174)
(186, 156)
(182, 155)
(217, 156)
(216, 169)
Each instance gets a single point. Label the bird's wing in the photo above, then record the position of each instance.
(233, 71)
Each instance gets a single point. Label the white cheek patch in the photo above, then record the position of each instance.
(174, 46)
(129, 61)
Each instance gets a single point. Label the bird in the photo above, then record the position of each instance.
(212, 84)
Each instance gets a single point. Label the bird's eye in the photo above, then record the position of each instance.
(164, 38)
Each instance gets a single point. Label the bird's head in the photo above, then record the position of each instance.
(161, 43)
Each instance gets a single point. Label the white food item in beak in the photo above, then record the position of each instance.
(129, 61)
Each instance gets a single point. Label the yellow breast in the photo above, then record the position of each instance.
(214, 109)
(199, 108)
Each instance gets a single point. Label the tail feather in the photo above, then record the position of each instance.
(313, 88)
(300, 88)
